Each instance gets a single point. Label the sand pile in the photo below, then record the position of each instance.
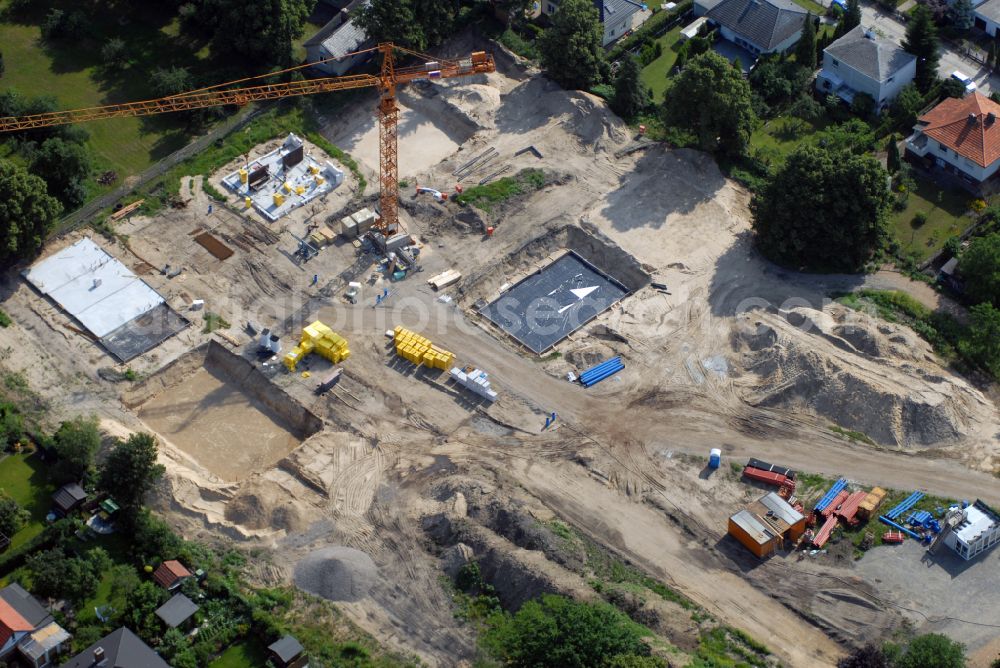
(874, 377)
(539, 102)
(336, 573)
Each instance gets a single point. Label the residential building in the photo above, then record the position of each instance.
(68, 498)
(288, 653)
(178, 611)
(960, 137)
(863, 62)
(617, 16)
(763, 526)
(972, 530)
(119, 649)
(28, 634)
(171, 574)
(758, 26)
(339, 37)
(987, 17)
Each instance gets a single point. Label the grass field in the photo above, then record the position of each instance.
(654, 75)
(70, 70)
(24, 478)
(777, 138)
(246, 653)
(945, 210)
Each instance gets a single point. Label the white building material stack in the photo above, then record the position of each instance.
(475, 380)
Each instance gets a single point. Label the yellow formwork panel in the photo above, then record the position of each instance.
(419, 350)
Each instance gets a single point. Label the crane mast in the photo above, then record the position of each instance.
(389, 79)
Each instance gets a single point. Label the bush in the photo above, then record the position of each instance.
(557, 631)
(5, 320)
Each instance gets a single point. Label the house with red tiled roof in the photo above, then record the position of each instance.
(171, 574)
(28, 635)
(960, 137)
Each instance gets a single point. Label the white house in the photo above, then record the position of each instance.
(757, 26)
(973, 530)
(339, 37)
(617, 16)
(960, 137)
(987, 17)
(862, 62)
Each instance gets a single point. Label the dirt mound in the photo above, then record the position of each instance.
(876, 379)
(265, 509)
(539, 102)
(336, 574)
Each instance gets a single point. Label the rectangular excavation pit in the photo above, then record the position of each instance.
(552, 303)
(221, 411)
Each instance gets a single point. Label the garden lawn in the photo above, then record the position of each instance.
(814, 7)
(945, 210)
(248, 652)
(25, 479)
(777, 138)
(654, 75)
(70, 70)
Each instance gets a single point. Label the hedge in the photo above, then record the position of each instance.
(648, 29)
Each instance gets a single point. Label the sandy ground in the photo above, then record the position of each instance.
(624, 463)
(211, 420)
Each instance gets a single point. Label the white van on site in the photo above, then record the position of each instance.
(970, 85)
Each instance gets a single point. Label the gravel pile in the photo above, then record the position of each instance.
(336, 573)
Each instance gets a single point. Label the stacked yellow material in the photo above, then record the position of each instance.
(419, 350)
(320, 339)
(279, 199)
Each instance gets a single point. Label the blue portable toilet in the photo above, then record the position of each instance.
(715, 458)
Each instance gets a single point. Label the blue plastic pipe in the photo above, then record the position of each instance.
(911, 534)
(595, 370)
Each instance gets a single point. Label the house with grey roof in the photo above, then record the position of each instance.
(121, 649)
(986, 17)
(617, 17)
(327, 50)
(758, 26)
(863, 62)
(28, 634)
(177, 611)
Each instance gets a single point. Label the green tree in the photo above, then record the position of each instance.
(64, 165)
(823, 210)
(892, 161)
(805, 49)
(167, 81)
(75, 444)
(571, 48)
(868, 656)
(712, 99)
(12, 515)
(140, 607)
(130, 471)
(630, 96)
(27, 213)
(862, 105)
(906, 106)
(55, 575)
(177, 650)
(982, 342)
(393, 21)
(962, 11)
(850, 19)
(557, 631)
(114, 53)
(933, 650)
(853, 136)
(980, 269)
(262, 36)
(415, 24)
(922, 41)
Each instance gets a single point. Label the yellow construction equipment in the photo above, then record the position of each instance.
(415, 348)
(320, 339)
